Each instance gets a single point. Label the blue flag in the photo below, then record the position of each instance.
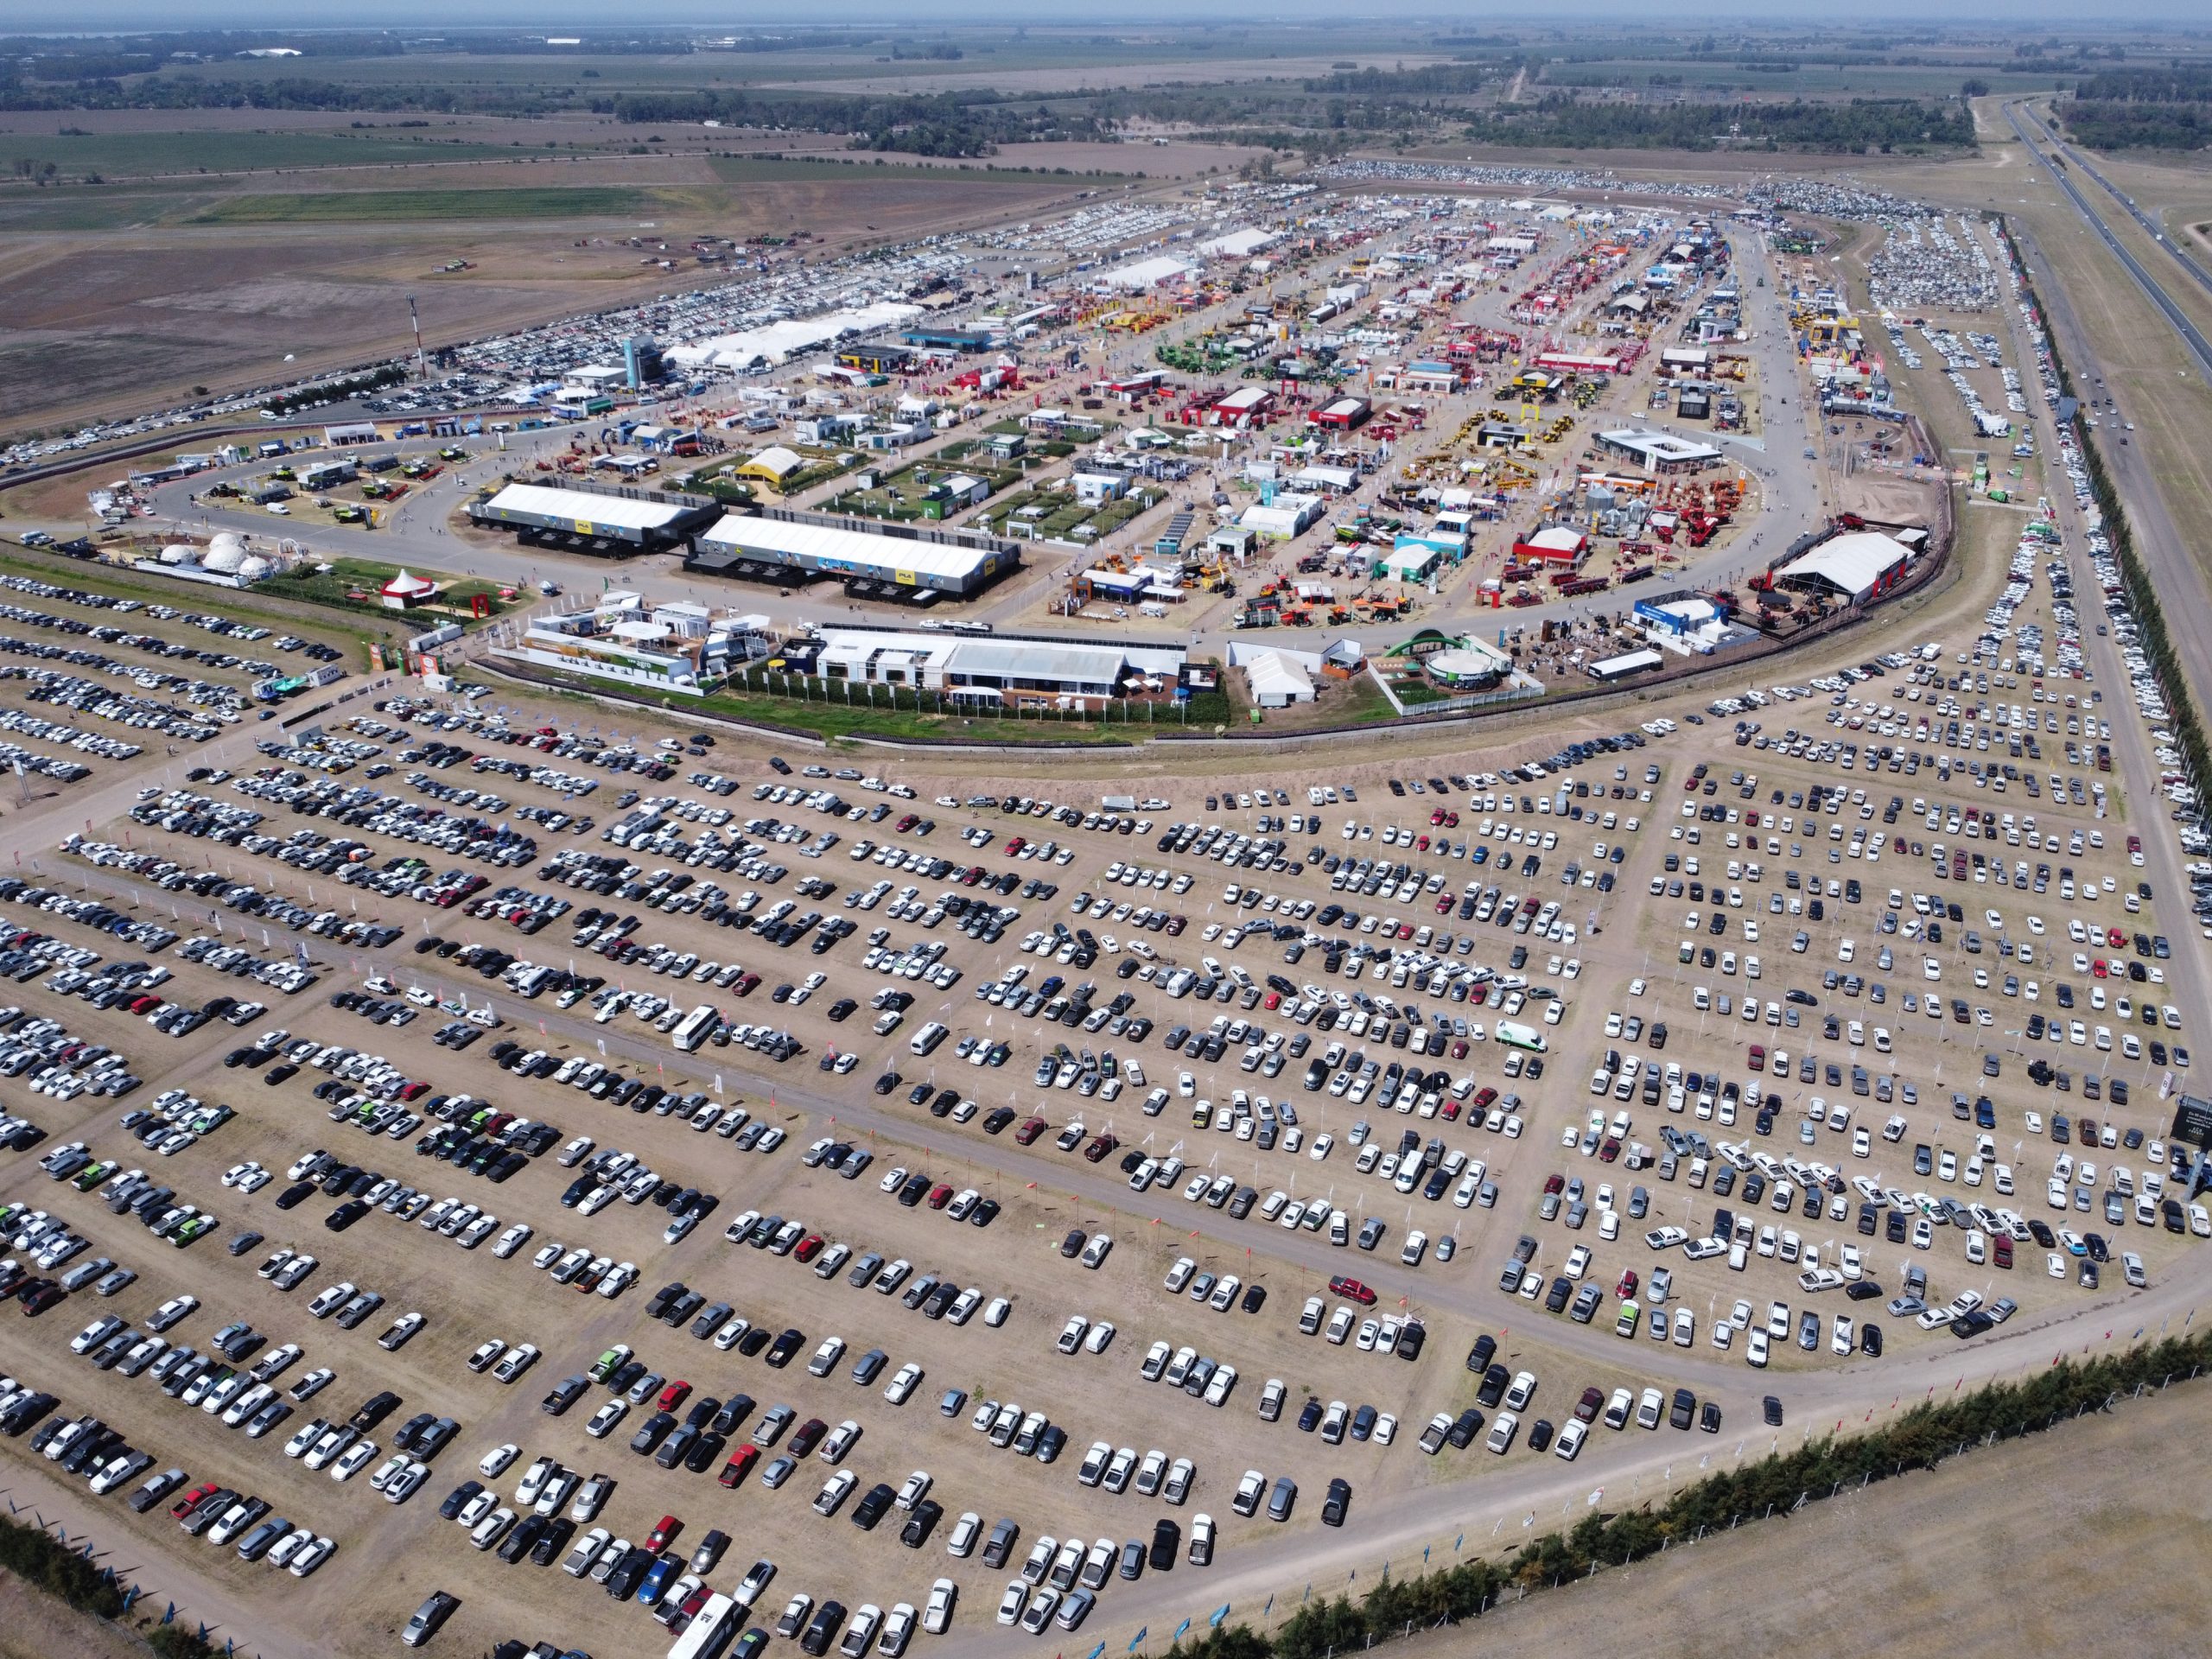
(1219, 1613)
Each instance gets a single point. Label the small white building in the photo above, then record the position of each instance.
(1289, 515)
(1095, 488)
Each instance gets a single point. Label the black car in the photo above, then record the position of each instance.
(921, 1524)
(1338, 1504)
(552, 1543)
(519, 1542)
(822, 1630)
(622, 1583)
(1167, 1544)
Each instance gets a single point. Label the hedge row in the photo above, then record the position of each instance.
(44, 1562)
(1919, 1439)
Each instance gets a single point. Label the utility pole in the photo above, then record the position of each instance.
(421, 364)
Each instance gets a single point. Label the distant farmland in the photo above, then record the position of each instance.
(339, 206)
(142, 154)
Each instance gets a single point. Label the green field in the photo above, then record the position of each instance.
(334, 206)
(85, 208)
(1007, 169)
(142, 154)
(1810, 80)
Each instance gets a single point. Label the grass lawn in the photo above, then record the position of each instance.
(349, 576)
(138, 154)
(88, 208)
(345, 636)
(746, 169)
(833, 720)
(1360, 699)
(331, 206)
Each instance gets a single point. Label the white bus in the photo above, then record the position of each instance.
(1517, 1036)
(696, 1027)
(709, 1630)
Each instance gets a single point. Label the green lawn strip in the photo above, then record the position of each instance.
(334, 206)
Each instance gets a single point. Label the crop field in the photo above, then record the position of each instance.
(746, 169)
(199, 150)
(2090, 1515)
(336, 206)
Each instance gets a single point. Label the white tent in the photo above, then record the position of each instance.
(1277, 683)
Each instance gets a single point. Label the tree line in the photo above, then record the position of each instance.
(969, 123)
(1862, 123)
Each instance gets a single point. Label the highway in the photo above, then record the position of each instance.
(2073, 158)
(2198, 346)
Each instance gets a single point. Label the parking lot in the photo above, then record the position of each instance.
(1405, 1055)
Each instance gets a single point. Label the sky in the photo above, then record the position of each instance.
(22, 15)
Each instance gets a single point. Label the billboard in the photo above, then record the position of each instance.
(2193, 1122)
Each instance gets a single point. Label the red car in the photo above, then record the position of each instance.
(1013, 848)
(740, 1465)
(664, 1534)
(46, 1295)
(674, 1395)
(1758, 1060)
(1626, 1288)
(1030, 1129)
(192, 1500)
(1099, 1147)
(1352, 1290)
(940, 1195)
(808, 1248)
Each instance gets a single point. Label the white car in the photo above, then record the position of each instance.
(936, 1618)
